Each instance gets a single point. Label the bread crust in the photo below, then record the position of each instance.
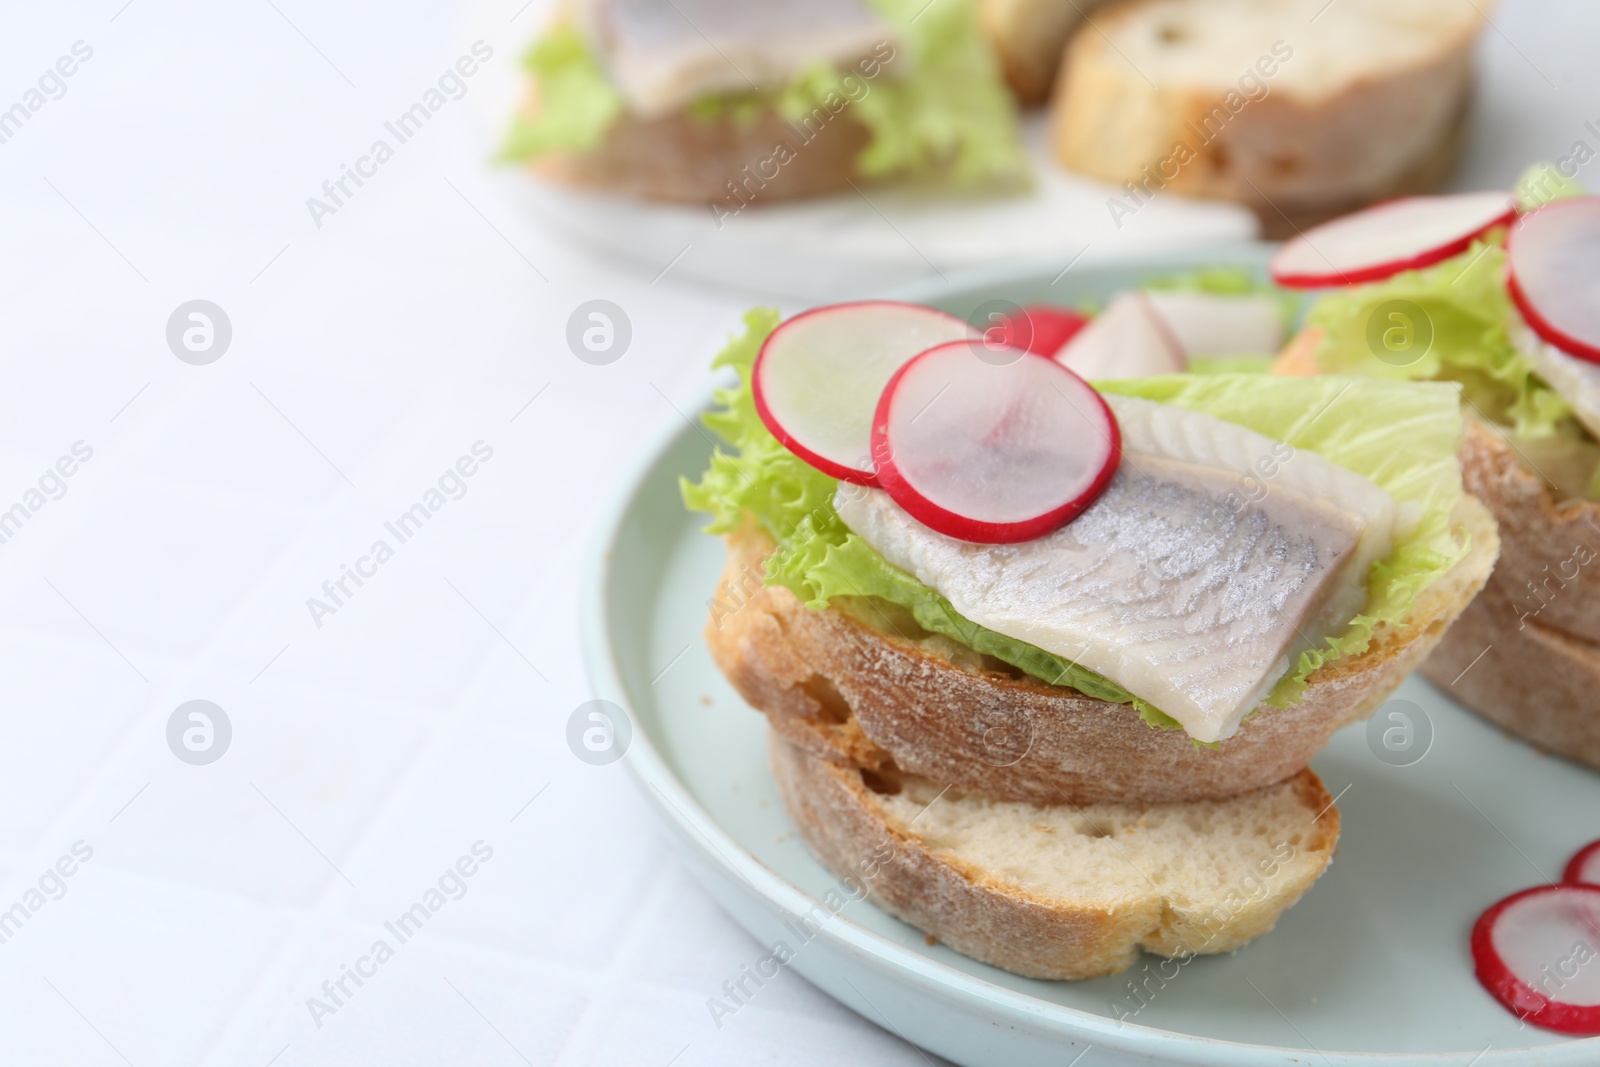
(984, 915)
(1550, 560)
(1534, 681)
(1293, 160)
(1029, 38)
(1526, 654)
(851, 688)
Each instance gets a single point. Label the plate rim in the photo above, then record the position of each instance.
(676, 805)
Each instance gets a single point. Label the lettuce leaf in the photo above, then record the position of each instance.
(1352, 422)
(1543, 182)
(947, 110)
(1464, 303)
(1246, 364)
(577, 102)
(938, 109)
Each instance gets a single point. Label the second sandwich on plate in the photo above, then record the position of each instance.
(1507, 309)
(957, 572)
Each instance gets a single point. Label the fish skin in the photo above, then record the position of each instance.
(1262, 465)
(1170, 584)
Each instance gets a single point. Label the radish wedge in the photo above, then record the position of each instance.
(1553, 255)
(1584, 867)
(1406, 234)
(818, 377)
(1038, 328)
(1129, 339)
(992, 452)
(1219, 324)
(1538, 953)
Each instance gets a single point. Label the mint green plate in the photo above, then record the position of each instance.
(1371, 967)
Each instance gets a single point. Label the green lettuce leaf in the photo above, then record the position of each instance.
(1352, 422)
(1247, 364)
(1544, 182)
(577, 102)
(947, 110)
(937, 109)
(1383, 330)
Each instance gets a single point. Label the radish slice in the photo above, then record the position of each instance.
(1584, 867)
(1538, 952)
(992, 452)
(1038, 328)
(818, 377)
(1406, 234)
(1215, 324)
(1129, 339)
(1553, 255)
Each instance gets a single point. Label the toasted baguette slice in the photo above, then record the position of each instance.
(1299, 109)
(1550, 559)
(866, 687)
(1028, 37)
(1059, 891)
(1526, 654)
(1523, 676)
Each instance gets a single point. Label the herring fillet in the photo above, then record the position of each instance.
(664, 54)
(1263, 465)
(1174, 584)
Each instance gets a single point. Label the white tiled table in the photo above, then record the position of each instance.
(368, 754)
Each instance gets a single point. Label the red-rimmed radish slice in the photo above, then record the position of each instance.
(1383, 240)
(1129, 339)
(992, 451)
(1220, 324)
(1553, 256)
(1038, 328)
(818, 377)
(1584, 867)
(1538, 953)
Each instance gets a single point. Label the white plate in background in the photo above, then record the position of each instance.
(840, 246)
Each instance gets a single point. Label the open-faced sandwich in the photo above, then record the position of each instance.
(1063, 652)
(728, 103)
(1503, 298)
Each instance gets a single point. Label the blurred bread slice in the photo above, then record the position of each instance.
(1299, 109)
(727, 162)
(1028, 38)
(1062, 891)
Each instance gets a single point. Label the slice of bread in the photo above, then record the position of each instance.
(1300, 109)
(724, 162)
(1029, 37)
(1063, 891)
(860, 684)
(1526, 654)
(1534, 681)
(1550, 552)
